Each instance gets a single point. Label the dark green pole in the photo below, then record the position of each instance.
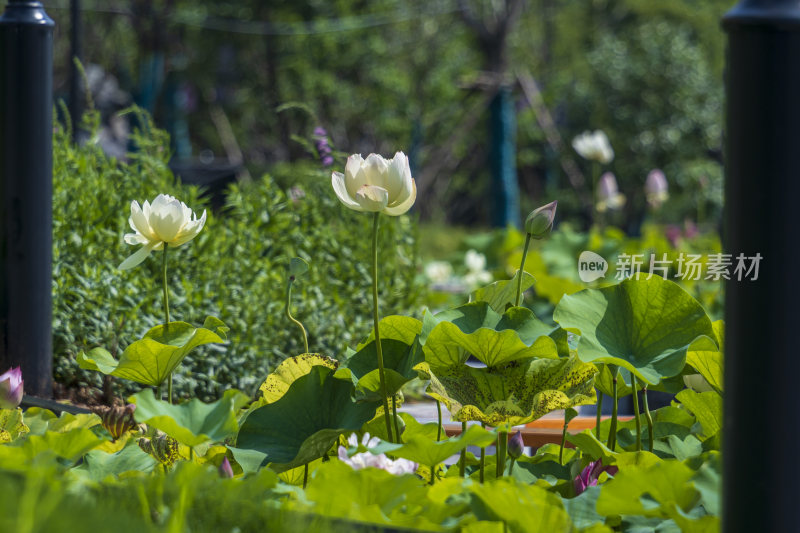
(502, 159)
(26, 168)
(762, 187)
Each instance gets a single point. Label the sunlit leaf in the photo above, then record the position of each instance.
(644, 325)
(279, 381)
(503, 293)
(153, 358)
(514, 393)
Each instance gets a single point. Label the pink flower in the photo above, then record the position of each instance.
(11, 389)
(588, 476)
(225, 470)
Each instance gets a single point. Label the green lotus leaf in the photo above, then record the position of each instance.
(69, 445)
(707, 359)
(306, 421)
(494, 339)
(501, 294)
(297, 266)
(680, 449)
(663, 489)
(521, 507)
(429, 452)
(279, 381)
(153, 358)
(643, 325)
(11, 425)
(98, 465)
(399, 360)
(514, 393)
(194, 422)
(396, 327)
(587, 442)
(706, 407)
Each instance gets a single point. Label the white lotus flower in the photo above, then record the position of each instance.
(166, 220)
(376, 184)
(438, 271)
(594, 146)
(369, 460)
(475, 261)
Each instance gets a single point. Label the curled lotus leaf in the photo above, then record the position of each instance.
(292, 368)
(707, 359)
(643, 325)
(153, 358)
(399, 362)
(449, 337)
(515, 393)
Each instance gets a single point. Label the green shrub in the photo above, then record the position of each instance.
(235, 268)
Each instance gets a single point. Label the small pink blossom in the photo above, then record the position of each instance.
(589, 475)
(11, 389)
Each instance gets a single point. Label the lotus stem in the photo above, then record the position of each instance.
(305, 476)
(511, 468)
(483, 458)
(394, 417)
(439, 414)
(166, 314)
(563, 440)
(375, 320)
(648, 417)
(612, 430)
(522, 269)
(289, 313)
(599, 414)
(500, 456)
(433, 469)
(462, 466)
(635, 382)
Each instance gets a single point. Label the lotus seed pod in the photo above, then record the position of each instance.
(117, 420)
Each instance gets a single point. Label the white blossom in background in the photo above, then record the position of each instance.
(608, 196)
(594, 146)
(656, 189)
(476, 269)
(367, 459)
(438, 271)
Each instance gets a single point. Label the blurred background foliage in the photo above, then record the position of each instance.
(417, 76)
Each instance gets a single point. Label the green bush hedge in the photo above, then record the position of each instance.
(235, 268)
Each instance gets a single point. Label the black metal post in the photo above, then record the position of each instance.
(762, 189)
(26, 168)
(76, 94)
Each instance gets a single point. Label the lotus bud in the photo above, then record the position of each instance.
(117, 420)
(539, 223)
(516, 446)
(656, 188)
(11, 389)
(225, 470)
(608, 195)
